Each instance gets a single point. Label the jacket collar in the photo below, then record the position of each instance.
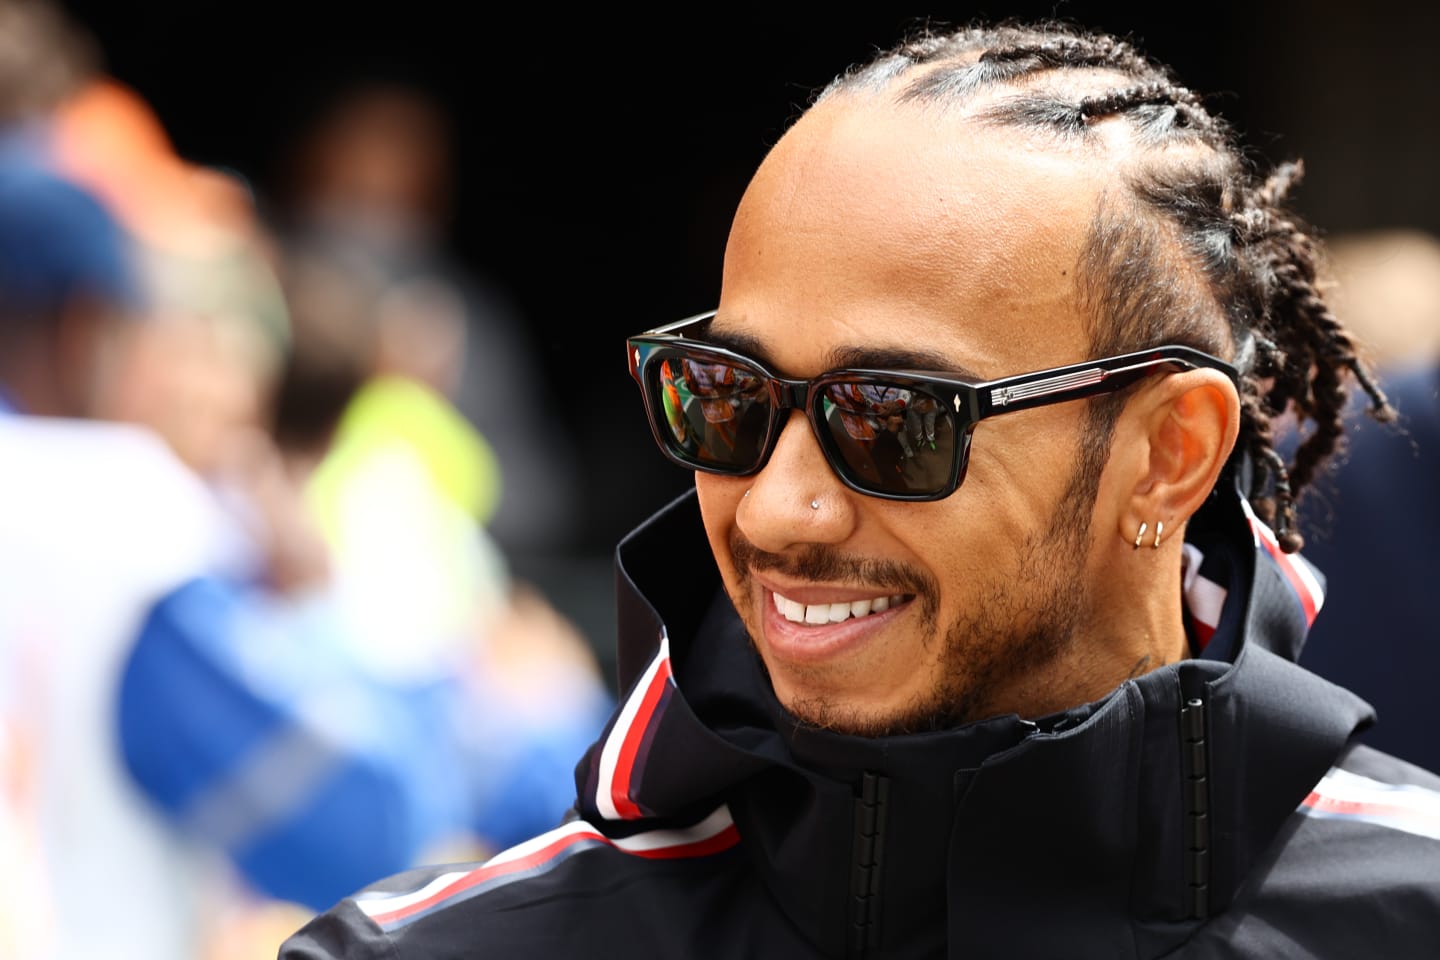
(1121, 826)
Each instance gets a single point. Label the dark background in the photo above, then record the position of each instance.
(601, 155)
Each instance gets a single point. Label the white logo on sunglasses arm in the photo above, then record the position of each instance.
(1040, 388)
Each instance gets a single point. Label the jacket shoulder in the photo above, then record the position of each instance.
(566, 893)
(1354, 872)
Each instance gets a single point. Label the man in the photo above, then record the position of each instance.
(1031, 693)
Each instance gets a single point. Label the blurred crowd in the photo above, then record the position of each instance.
(262, 466)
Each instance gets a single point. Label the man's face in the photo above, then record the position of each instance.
(883, 236)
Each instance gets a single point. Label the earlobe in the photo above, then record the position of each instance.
(1190, 425)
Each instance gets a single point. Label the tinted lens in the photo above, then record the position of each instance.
(714, 413)
(892, 440)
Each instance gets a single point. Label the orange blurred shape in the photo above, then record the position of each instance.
(109, 139)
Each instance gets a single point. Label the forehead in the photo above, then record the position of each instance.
(872, 224)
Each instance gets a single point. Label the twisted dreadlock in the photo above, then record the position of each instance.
(1197, 248)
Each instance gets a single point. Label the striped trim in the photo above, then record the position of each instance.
(1204, 598)
(1296, 569)
(1342, 795)
(539, 856)
(272, 786)
(614, 789)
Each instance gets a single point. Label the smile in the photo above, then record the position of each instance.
(819, 613)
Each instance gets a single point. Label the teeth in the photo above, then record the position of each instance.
(820, 613)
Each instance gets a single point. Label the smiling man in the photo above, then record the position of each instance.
(995, 657)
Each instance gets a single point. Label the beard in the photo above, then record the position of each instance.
(1021, 624)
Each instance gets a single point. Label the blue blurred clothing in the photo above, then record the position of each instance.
(251, 720)
(1374, 529)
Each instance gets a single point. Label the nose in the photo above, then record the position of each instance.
(796, 498)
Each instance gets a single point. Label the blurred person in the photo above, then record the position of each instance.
(406, 485)
(1376, 513)
(101, 518)
(184, 223)
(410, 490)
(198, 369)
(406, 494)
(377, 672)
(139, 291)
(1042, 702)
(371, 176)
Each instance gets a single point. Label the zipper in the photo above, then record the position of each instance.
(865, 863)
(1195, 789)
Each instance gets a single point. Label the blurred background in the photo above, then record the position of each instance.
(594, 159)
(312, 320)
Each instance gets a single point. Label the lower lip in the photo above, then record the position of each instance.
(818, 642)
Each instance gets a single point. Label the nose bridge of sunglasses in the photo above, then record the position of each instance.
(793, 393)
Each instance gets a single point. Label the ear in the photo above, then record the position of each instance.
(1188, 424)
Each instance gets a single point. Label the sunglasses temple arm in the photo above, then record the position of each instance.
(997, 398)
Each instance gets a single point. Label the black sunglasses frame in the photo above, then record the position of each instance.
(965, 402)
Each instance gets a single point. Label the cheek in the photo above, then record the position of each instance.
(719, 498)
(1021, 468)
(979, 536)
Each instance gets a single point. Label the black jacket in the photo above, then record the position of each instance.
(1213, 808)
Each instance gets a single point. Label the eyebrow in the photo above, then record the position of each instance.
(865, 358)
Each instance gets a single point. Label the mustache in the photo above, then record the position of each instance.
(820, 562)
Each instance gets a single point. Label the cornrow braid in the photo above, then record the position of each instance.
(1189, 111)
(1197, 249)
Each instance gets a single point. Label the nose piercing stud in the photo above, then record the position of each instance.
(814, 504)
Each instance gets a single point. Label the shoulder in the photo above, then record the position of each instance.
(1354, 872)
(1381, 811)
(569, 892)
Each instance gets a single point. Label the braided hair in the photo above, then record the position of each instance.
(1195, 247)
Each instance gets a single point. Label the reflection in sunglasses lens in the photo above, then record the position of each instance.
(716, 412)
(890, 438)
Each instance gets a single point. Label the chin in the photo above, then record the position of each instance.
(835, 711)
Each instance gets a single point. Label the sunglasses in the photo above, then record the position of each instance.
(893, 434)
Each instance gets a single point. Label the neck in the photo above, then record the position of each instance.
(1138, 621)
(1132, 623)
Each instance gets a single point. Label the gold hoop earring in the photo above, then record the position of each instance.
(1159, 526)
(1140, 534)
